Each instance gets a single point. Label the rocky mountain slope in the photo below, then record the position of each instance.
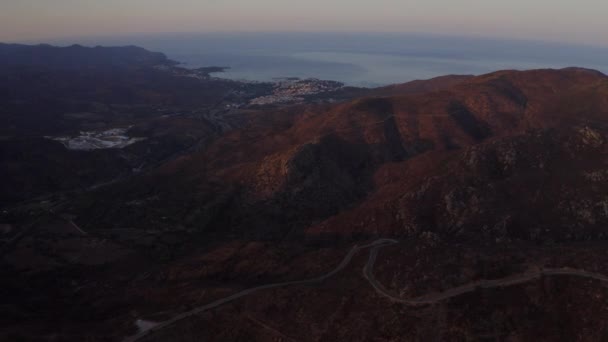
(481, 178)
(315, 162)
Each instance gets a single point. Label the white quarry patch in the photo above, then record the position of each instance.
(96, 140)
(143, 325)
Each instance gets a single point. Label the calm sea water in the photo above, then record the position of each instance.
(360, 59)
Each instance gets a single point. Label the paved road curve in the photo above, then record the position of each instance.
(369, 275)
(471, 287)
(196, 311)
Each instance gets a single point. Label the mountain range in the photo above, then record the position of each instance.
(485, 196)
(78, 56)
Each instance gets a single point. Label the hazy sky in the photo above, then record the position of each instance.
(583, 21)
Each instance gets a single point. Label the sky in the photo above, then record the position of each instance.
(569, 21)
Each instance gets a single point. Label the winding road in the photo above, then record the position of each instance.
(380, 289)
(471, 287)
(201, 309)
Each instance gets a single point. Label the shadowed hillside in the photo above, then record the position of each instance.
(241, 224)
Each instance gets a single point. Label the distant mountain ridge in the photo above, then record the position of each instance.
(78, 56)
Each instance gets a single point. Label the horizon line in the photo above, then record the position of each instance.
(477, 37)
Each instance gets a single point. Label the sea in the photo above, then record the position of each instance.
(357, 59)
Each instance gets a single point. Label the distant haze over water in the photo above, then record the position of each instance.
(359, 59)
